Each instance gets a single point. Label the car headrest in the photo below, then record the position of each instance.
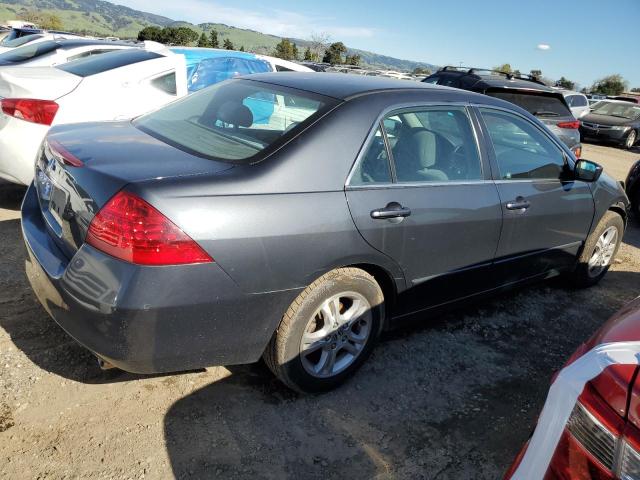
(235, 113)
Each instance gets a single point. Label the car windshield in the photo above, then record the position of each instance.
(14, 41)
(540, 105)
(28, 52)
(615, 109)
(236, 120)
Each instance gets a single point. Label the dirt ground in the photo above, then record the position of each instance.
(452, 398)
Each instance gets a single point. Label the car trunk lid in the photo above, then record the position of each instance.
(70, 196)
(45, 83)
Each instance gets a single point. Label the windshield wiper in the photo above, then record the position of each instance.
(544, 113)
(614, 115)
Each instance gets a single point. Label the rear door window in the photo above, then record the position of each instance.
(538, 104)
(576, 101)
(95, 64)
(522, 151)
(166, 83)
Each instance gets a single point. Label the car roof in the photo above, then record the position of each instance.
(493, 79)
(570, 92)
(338, 85)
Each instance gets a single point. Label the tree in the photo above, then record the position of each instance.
(635, 89)
(566, 84)
(308, 56)
(242, 48)
(150, 33)
(213, 39)
(353, 59)
(319, 43)
(505, 67)
(228, 45)
(421, 71)
(203, 41)
(334, 53)
(610, 85)
(286, 50)
(185, 36)
(46, 20)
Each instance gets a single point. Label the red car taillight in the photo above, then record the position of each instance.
(30, 109)
(570, 125)
(596, 444)
(131, 229)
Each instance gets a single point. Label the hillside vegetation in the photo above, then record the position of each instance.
(100, 18)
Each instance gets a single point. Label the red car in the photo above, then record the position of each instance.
(589, 427)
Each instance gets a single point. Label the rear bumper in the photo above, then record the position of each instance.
(19, 145)
(148, 319)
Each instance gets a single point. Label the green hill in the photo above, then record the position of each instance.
(101, 18)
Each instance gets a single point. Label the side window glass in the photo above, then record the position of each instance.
(373, 166)
(522, 150)
(434, 145)
(166, 83)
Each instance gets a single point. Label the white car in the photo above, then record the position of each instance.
(112, 86)
(578, 103)
(49, 53)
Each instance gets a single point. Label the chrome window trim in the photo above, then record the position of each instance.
(403, 107)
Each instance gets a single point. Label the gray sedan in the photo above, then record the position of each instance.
(294, 216)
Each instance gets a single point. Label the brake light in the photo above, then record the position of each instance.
(132, 230)
(60, 152)
(31, 110)
(571, 125)
(596, 444)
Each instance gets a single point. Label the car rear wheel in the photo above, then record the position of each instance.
(599, 250)
(631, 139)
(328, 331)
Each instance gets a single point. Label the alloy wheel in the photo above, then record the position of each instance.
(603, 251)
(336, 334)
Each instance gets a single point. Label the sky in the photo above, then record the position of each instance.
(582, 40)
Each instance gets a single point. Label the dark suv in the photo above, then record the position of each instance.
(525, 91)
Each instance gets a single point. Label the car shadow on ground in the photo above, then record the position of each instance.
(456, 396)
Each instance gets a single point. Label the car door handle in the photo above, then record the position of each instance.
(392, 210)
(518, 204)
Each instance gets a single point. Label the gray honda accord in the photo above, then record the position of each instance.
(294, 216)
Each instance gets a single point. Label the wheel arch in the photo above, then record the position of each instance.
(387, 284)
(620, 210)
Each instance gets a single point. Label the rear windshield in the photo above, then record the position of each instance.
(235, 121)
(12, 40)
(95, 64)
(214, 70)
(537, 104)
(28, 52)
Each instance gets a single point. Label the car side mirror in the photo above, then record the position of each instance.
(587, 171)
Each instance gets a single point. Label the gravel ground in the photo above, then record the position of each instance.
(454, 398)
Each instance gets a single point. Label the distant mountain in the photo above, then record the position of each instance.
(97, 17)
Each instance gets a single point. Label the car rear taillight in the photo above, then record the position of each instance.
(30, 109)
(571, 125)
(596, 444)
(131, 229)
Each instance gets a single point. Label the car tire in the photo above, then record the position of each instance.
(630, 140)
(599, 251)
(314, 349)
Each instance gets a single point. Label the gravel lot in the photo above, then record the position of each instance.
(454, 398)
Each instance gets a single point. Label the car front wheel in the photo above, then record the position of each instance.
(328, 331)
(599, 250)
